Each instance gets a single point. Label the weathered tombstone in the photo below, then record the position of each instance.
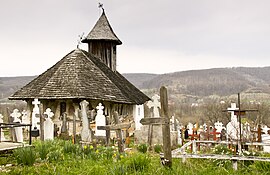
(2, 133)
(100, 121)
(35, 114)
(48, 125)
(86, 134)
(18, 130)
(64, 123)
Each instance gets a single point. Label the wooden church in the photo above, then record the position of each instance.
(85, 76)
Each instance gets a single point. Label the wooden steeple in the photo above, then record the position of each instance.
(102, 42)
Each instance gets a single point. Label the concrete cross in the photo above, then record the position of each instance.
(16, 115)
(49, 113)
(231, 110)
(100, 109)
(36, 103)
(155, 104)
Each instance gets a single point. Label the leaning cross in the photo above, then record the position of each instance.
(165, 122)
(118, 127)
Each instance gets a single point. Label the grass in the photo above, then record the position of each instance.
(62, 157)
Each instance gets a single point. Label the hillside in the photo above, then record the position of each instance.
(217, 81)
(201, 83)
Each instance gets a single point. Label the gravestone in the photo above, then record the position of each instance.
(48, 125)
(2, 133)
(233, 125)
(138, 114)
(100, 121)
(86, 134)
(18, 130)
(25, 117)
(35, 114)
(190, 127)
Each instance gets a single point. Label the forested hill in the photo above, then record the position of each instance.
(216, 81)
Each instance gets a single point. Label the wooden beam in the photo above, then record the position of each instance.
(155, 121)
(115, 127)
(166, 128)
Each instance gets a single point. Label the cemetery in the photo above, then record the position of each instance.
(83, 117)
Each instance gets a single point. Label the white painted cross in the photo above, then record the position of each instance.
(16, 119)
(25, 118)
(100, 120)
(155, 104)
(231, 110)
(35, 118)
(48, 125)
(233, 125)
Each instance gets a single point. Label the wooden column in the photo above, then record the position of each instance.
(41, 111)
(166, 127)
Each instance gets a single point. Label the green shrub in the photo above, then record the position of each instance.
(25, 156)
(142, 148)
(42, 150)
(70, 147)
(55, 155)
(137, 162)
(157, 148)
(222, 149)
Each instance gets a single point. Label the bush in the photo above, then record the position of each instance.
(137, 162)
(142, 148)
(158, 148)
(25, 156)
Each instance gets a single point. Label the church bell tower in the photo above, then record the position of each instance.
(102, 42)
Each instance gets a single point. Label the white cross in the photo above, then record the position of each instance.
(16, 114)
(100, 109)
(49, 113)
(36, 103)
(231, 110)
(155, 104)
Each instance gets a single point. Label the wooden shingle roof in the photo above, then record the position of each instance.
(102, 31)
(80, 75)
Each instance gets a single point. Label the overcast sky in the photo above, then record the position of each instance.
(158, 36)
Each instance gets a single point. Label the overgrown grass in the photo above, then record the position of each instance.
(62, 157)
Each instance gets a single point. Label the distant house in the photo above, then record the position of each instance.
(82, 75)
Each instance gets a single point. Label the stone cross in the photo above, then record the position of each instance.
(25, 118)
(219, 126)
(35, 117)
(233, 125)
(100, 120)
(231, 110)
(18, 130)
(86, 134)
(48, 125)
(155, 104)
